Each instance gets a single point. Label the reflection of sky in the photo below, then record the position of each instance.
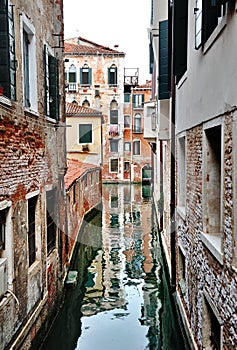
(116, 329)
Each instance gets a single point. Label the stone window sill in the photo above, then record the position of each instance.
(214, 35)
(182, 212)
(5, 101)
(213, 243)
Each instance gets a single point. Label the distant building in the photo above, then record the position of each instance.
(96, 78)
(84, 134)
(32, 167)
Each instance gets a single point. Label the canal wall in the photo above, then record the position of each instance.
(189, 341)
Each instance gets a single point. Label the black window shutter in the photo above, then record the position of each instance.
(46, 82)
(53, 88)
(180, 31)
(109, 82)
(163, 60)
(4, 49)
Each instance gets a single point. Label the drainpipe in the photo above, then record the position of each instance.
(172, 166)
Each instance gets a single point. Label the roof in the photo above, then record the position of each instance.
(81, 46)
(75, 169)
(72, 109)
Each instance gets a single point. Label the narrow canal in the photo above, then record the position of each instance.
(121, 300)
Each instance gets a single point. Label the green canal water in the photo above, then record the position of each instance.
(121, 300)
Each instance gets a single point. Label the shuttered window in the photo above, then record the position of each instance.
(213, 11)
(7, 48)
(164, 86)
(31, 229)
(51, 205)
(113, 116)
(26, 69)
(180, 37)
(138, 100)
(51, 85)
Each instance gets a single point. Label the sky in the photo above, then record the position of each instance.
(113, 22)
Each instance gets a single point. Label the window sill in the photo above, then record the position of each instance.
(182, 80)
(51, 120)
(33, 268)
(182, 212)
(5, 101)
(213, 243)
(210, 41)
(31, 111)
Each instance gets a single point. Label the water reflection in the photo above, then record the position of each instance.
(122, 297)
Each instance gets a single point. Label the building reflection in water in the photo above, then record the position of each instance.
(122, 299)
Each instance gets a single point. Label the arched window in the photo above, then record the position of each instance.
(114, 112)
(137, 123)
(86, 103)
(72, 78)
(112, 75)
(85, 75)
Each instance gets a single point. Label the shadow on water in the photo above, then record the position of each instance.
(122, 298)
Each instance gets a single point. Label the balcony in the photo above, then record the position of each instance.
(114, 130)
(72, 87)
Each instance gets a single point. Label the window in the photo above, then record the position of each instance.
(126, 166)
(29, 64)
(181, 271)
(211, 325)
(212, 13)
(138, 100)
(85, 75)
(31, 229)
(7, 47)
(136, 148)
(51, 205)
(112, 75)
(127, 121)
(2, 228)
(51, 85)
(85, 133)
(127, 97)
(114, 146)
(181, 172)
(113, 165)
(86, 103)
(137, 123)
(212, 183)
(113, 116)
(127, 146)
(198, 24)
(153, 121)
(164, 61)
(114, 201)
(72, 78)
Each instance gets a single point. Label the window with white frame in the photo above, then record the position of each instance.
(127, 121)
(114, 165)
(182, 172)
(72, 78)
(127, 146)
(3, 214)
(136, 148)
(29, 64)
(114, 146)
(137, 123)
(138, 100)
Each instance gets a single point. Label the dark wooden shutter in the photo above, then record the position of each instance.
(211, 10)
(7, 49)
(109, 82)
(163, 60)
(89, 76)
(53, 88)
(180, 31)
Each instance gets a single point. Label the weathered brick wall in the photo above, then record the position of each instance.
(203, 271)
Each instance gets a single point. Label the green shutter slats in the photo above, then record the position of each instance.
(7, 47)
(53, 88)
(163, 61)
(90, 76)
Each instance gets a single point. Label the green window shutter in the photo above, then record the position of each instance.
(116, 76)
(85, 133)
(80, 75)
(26, 69)
(180, 31)
(109, 76)
(46, 82)
(151, 58)
(53, 88)
(7, 48)
(163, 60)
(90, 76)
(143, 97)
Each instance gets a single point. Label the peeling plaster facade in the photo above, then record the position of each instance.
(33, 163)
